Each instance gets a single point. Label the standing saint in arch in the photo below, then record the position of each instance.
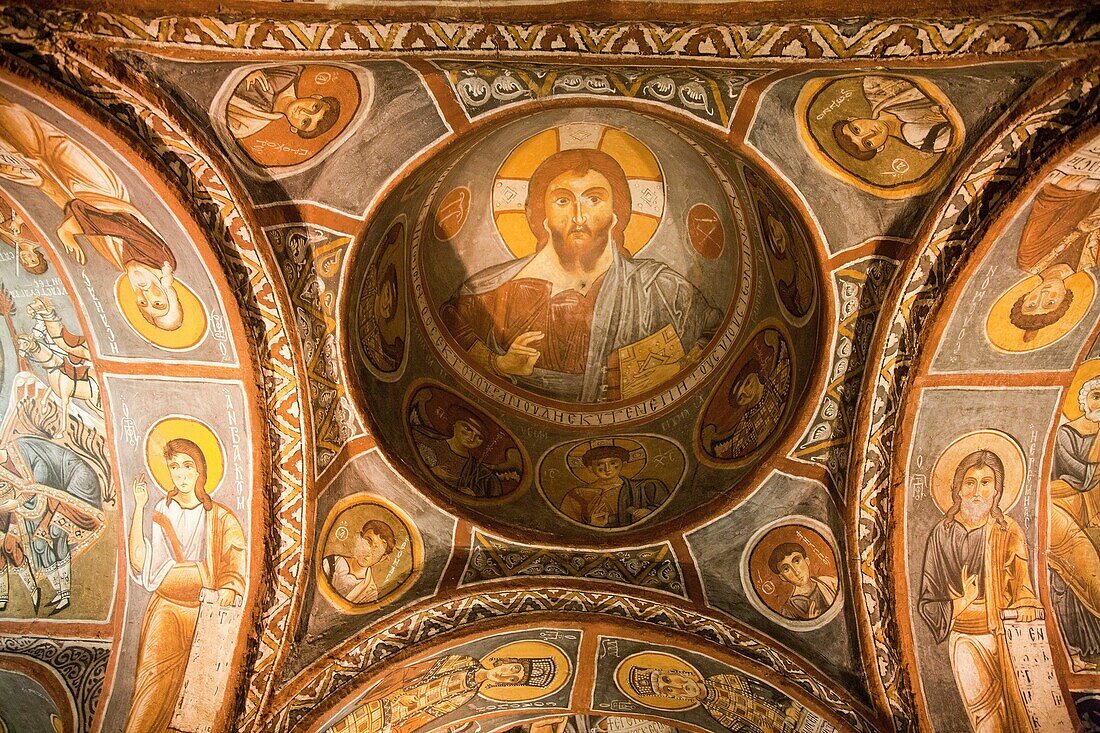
(975, 569)
(195, 543)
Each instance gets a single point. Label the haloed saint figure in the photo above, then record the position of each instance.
(194, 543)
(560, 321)
(975, 569)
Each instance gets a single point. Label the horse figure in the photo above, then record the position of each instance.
(52, 333)
(68, 377)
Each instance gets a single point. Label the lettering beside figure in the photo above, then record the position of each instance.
(976, 569)
(96, 208)
(560, 321)
(899, 109)
(811, 595)
(271, 94)
(353, 576)
(194, 543)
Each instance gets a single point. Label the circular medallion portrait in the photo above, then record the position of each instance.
(660, 681)
(893, 136)
(611, 483)
(746, 408)
(281, 117)
(381, 313)
(790, 573)
(369, 553)
(460, 448)
(603, 273)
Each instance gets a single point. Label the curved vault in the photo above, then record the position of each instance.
(550, 308)
(620, 491)
(125, 372)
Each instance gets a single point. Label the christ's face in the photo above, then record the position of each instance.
(369, 550)
(866, 134)
(607, 468)
(184, 472)
(978, 492)
(467, 435)
(677, 685)
(794, 569)
(1092, 404)
(509, 673)
(304, 113)
(1044, 297)
(579, 213)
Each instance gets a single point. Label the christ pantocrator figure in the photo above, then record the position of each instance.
(557, 321)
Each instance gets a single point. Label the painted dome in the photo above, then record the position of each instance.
(590, 321)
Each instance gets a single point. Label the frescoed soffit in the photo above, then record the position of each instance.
(535, 376)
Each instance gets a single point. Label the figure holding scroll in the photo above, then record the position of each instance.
(976, 569)
(194, 543)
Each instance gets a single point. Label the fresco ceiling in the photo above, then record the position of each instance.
(395, 369)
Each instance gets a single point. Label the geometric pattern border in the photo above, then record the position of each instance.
(81, 664)
(354, 662)
(988, 186)
(819, 39)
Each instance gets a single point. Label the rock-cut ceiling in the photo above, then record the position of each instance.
(494, 373)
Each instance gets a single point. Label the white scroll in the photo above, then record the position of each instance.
(208, 665)
(1034, 668)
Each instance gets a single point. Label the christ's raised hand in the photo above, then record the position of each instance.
(520, 358)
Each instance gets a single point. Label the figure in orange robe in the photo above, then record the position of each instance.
(195, 543)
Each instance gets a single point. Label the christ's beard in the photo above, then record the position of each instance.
(579, 254)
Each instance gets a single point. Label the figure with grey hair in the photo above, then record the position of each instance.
(1075, 530)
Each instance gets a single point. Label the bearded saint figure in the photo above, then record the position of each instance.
(556, 321)
(975, 568)
(1060, 239)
